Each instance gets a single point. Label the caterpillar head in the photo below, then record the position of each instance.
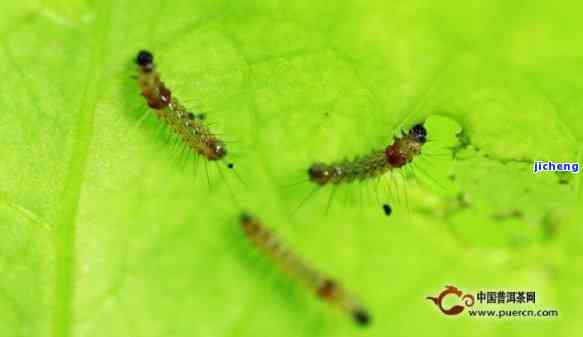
(144, 58)
(418, 133)
(245, 218)
(361, 317)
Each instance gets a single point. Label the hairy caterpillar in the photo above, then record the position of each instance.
(188, 126)
(375, 164)
(323, 286)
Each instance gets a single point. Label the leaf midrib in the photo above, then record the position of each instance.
(61, 319)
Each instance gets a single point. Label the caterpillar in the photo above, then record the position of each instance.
(188, 126)
(375, 164)
(324, 287)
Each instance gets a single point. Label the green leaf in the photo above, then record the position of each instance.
(106, 230)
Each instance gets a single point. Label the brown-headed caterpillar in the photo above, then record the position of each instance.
(191, 128)
(323, 286)
(375, 164)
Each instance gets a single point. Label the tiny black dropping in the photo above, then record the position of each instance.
(387, 209)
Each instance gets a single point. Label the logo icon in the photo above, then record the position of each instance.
(466, 300)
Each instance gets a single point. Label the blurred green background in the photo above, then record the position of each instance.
(106, 230)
